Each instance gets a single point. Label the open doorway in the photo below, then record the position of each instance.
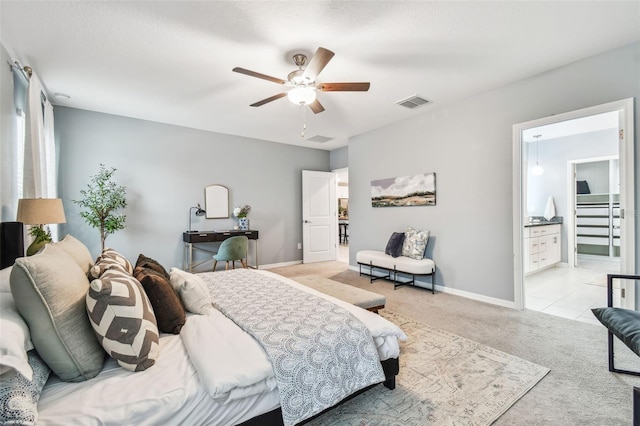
(560, 256)
(342, 192)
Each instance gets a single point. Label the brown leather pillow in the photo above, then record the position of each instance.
(147, 262)
(166, 305)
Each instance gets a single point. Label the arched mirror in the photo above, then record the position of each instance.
(216, 201)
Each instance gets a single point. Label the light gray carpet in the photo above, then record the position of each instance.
(444, 380)
(579, 390)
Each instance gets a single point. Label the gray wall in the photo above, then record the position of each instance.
(597, 176)
(554, 155)
(468, 144)
(165, 169)
(339, 158)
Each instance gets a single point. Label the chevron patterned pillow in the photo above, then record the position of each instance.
(123, 320)
(106, 260)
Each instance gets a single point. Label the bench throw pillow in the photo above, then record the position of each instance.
(165, 302)
(49, 289)
(123, 320)
(415, 242)
(395, 244)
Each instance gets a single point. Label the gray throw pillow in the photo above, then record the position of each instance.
(394, 245)
(78, 251)
(49, 291)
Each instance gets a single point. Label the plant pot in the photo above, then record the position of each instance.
(243, 223)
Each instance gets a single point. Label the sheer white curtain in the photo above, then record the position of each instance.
(40, 154)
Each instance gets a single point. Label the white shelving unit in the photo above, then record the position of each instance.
(598, 224)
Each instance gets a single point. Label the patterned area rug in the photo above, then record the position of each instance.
(444, 379)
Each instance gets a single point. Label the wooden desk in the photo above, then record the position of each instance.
(192, 238)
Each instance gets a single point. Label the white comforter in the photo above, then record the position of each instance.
(231, 365)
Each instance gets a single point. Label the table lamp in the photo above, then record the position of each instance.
(199, 212)
(40, 211)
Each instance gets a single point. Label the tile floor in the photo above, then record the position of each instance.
(571, 292)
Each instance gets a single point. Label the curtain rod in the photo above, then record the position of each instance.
(26, 71)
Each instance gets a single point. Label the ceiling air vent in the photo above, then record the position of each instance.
(413, 101)
(319, 139)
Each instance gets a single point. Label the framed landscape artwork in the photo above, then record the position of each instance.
(416, 190)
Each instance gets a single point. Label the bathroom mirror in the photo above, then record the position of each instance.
(216, 201)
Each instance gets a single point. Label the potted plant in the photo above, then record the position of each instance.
(241, 213)
(102, 198)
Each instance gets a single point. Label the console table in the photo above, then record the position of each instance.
(191, 239)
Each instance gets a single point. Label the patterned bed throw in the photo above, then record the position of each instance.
(320, 352)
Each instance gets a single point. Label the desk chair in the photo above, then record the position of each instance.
(232, 249)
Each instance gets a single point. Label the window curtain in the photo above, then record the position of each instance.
(40, 174)
(12, 133)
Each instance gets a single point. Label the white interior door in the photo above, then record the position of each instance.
(319, 216)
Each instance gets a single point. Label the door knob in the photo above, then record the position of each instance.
(307, 221)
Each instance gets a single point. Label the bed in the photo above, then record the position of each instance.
(214, 371)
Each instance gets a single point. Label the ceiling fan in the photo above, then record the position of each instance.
(302, 82)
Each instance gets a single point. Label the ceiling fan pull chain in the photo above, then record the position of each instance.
(304, 125)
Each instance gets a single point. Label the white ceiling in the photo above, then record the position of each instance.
(171, 61)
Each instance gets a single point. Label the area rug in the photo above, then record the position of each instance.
(444, 379)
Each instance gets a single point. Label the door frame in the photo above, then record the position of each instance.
(572, 201)
(627, 196)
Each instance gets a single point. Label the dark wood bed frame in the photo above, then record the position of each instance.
(391, 367)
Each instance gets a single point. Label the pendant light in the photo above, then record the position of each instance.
(537, 169)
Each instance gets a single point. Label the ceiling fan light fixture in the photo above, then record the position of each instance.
(302, 95)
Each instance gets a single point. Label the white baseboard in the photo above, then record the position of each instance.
(278, 265)
(462, 293)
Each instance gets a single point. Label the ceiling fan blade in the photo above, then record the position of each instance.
(267, 100)
(258, 75)
(317, 63)
(343, 87)
(316, 106)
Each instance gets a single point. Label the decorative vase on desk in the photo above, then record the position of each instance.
(243, 223)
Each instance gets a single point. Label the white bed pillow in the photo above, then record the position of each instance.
(192, 291)
(15, 341)
(5, 279)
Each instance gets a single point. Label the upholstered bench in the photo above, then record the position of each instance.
(401, 264)
(356, 296)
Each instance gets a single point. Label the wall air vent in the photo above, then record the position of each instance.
(319, 139)
(413, 101)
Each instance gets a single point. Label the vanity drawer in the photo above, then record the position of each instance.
(537, 245)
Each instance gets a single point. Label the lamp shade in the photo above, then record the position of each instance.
(302, 95)
(40, 211)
